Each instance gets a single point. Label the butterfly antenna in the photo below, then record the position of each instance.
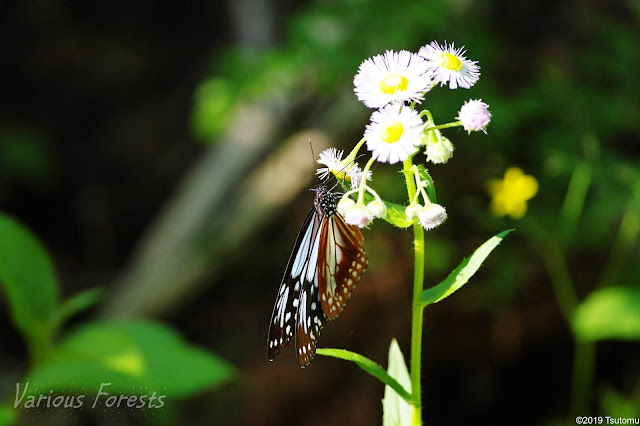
(313, 162)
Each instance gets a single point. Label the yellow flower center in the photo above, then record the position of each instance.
(392, 131)
(393, 82)
(340, 174)
(450, 62)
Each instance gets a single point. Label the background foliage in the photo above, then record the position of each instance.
(160, 154)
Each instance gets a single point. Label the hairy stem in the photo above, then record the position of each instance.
(417, 307)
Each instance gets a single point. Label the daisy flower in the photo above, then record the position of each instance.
(332, 160)
(393, 133)
(474, 115)
(448, 65)
(392, 77)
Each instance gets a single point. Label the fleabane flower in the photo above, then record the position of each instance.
(392, 77)
(393, 133)
(431, 216)
(474, 115)
(359, 215)
(448, 65)
(355, 175)
(331, 158)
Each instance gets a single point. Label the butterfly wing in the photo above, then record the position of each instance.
(283, 318)
(325, 265)
(309, 321)
(341, 262)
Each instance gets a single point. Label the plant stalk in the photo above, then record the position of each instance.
(417, 307)
(416, 322)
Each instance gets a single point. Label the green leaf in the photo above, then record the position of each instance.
(134, 356)
(78, 303)
(369, 366)
(395, 212)
(7, 415)
(395, 410)
(608, 313)
(396, 216)
(616, 404)
(28, 278)
(463, 272)
(431, 188)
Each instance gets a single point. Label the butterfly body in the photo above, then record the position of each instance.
(325, 265)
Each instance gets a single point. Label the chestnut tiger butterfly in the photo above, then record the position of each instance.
(325, 265)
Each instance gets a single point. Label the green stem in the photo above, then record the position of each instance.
(444, 126)
(354, 152)
(560, 278)
(416, 322)
(628, 233)
(583, 365)
(574, 200)
(417, 307)
(363, 184)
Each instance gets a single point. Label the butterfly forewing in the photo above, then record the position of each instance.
(326, 264)
(342, 261)
(283, 325)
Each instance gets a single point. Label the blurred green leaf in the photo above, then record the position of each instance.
(608, 313)
(28, 278)
(463, 272)
(7, 415)
(615, 404)
(135, 356)
(395, 410)
(214, 101)
(369, 366)
(23, 155)
(78, 303)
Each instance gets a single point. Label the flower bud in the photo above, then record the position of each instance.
(345, 204)
(412, 211)
(432, 216)
(358, 215)
(377, 208)
(474, 115)
(440, 151)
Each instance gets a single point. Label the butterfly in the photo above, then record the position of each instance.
(326, 263)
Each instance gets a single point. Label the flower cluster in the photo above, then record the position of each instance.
(393, 80)
(393, 84)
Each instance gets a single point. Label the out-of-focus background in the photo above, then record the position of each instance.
(159, 152)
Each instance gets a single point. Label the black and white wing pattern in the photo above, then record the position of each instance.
(327, 261)
(298, 292)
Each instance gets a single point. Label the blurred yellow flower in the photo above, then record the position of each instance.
(510, 195)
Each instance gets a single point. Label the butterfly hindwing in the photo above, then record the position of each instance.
(342, 261)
